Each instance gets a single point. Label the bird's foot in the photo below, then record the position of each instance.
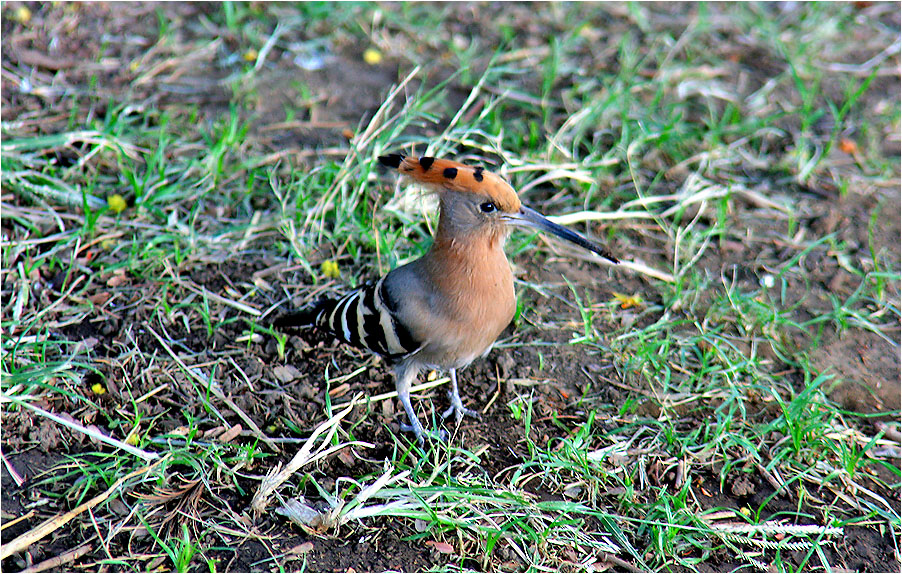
(422, 434)
(457, 407)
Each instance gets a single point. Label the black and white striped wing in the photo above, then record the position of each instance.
(367, 318)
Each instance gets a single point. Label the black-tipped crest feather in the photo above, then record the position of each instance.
(392, 160)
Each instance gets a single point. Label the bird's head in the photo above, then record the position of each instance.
(474, 200)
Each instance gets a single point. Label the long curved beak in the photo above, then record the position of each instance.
(528, 217)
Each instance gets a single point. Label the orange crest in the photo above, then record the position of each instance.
(447, 175)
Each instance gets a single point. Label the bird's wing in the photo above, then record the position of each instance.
(368, 318)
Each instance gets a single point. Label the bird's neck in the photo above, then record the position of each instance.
(469, 248)
(464, 265)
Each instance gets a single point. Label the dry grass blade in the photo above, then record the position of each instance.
(214, 388)
(636, 266)
(12, 472)
(583, 216)
(224, 300)
(15, 521)
(25, 540)
(308, 453)
(413, 390)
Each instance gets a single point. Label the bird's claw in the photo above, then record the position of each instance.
(422, 434)
(457, 407)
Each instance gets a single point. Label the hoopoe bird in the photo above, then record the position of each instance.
(447, 308)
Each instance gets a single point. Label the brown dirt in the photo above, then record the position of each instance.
(564, 376)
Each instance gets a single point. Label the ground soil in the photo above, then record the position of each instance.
(300, 399)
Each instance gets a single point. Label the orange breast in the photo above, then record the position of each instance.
(476, 288)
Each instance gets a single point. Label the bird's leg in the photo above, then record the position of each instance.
(405, 374)
(457, 406)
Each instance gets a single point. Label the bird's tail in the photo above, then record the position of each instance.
(306, 317)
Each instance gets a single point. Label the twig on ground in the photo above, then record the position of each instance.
(148, 456)
(57, 561)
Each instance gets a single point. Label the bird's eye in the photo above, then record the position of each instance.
(487, 207)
